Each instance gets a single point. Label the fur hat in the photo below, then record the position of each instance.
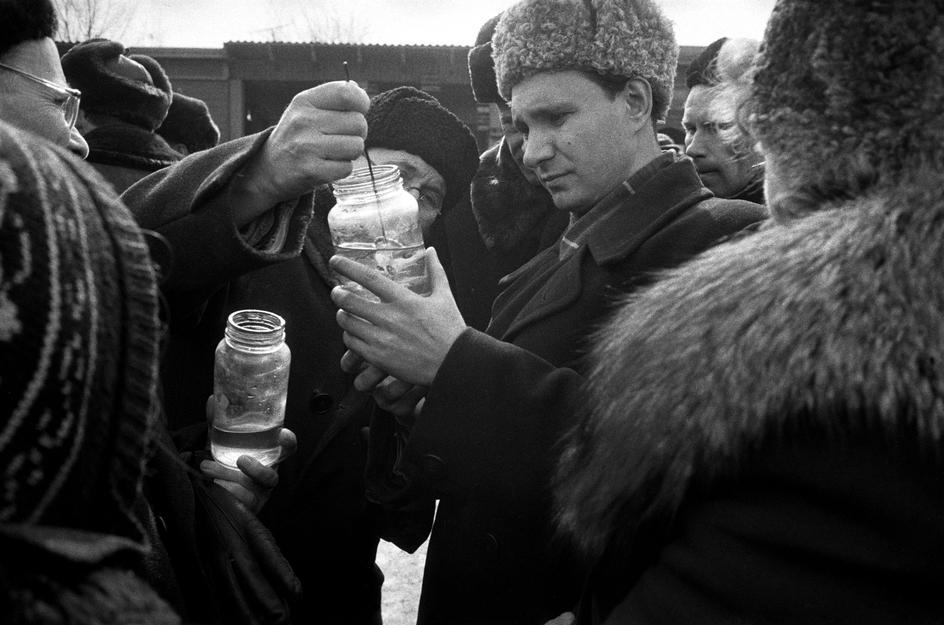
(850, 93)
(703, 70)
(482, 67)
(628, 38)
(79, 337)
(411, 120)
(113, 84)
(189, 122)
(25, 20)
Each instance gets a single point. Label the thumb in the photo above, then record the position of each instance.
(437, 275)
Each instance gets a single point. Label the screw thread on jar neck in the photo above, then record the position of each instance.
(386, 179)
(255, 330)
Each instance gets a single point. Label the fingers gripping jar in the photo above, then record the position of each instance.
(379, 229)
(250, 386)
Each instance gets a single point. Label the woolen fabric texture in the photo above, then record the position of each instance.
(412, 120)
(627, 38)
(91, 67)
(124, 153)
(189, 122)
(848, 93)
(482, 67)
(79, 329)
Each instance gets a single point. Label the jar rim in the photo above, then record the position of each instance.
(360, 180)
(256, 321)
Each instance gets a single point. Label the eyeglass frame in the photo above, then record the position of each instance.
(69, 110)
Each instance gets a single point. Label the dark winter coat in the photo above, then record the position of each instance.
(124, 153)
(318, 513)
(765, 445)
(485, 442)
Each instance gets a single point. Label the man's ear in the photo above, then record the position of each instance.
(637, 93)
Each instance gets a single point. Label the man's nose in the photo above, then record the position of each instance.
(537, 149)
(77, 144)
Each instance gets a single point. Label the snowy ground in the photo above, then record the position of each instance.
(403, 574)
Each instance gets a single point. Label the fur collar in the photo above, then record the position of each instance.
(126, 145)
(833, 323)
(507, 207)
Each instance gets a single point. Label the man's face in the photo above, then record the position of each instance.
(32, 106)
(576, 136)
(724, 170)
(419, 178)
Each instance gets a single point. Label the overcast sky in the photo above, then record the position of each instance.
(210, 23)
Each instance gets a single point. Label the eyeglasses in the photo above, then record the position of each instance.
(68, 99)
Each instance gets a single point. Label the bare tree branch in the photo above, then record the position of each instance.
(80, 20)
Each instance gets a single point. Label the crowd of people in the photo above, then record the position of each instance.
(656, 380)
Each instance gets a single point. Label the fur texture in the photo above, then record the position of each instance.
(832, 323)
(629, 38)
(507, 208)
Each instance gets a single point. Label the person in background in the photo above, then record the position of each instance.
(763, 443)
(587, 83)
(188, 127)
(319, 512)
(724, 153)
(122, 105)
(514, 214)
(250, 198)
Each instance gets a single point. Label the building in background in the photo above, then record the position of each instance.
(247, 85)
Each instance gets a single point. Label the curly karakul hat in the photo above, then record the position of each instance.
(79, 337)
(850, 93)
(628, 38)
(412, 120)
(113, 84)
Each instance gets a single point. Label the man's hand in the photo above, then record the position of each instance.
(319, 135)
(405, 334)
(253, 482)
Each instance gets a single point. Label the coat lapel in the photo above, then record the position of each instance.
(639, 215)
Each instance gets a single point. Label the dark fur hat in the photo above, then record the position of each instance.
(482, 67)
(849, 94)
(703, 70)
(113, 84)
(189, 122)
(411, 120)
(25, 20)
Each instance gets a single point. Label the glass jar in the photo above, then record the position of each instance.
(250, 387)
(376, 223)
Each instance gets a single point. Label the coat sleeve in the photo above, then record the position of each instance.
(492, 427)
(188, 203)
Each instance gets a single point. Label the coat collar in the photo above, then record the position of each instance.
(638, 212)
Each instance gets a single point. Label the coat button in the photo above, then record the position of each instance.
(320, 403)
(434, 466)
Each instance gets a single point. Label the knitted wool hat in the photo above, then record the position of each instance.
(628, 38)
(113, 84)
(189, 122)
(79, 337)
(703, 70)
(411, 120)
(482, 67)
(850, 93)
